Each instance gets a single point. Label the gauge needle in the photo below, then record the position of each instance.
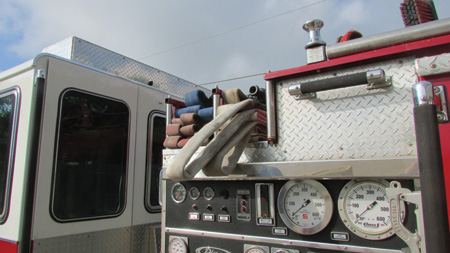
(367, 209)
(303, 205)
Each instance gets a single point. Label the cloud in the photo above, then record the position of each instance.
(229, 40)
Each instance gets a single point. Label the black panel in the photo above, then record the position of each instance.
(225, 202)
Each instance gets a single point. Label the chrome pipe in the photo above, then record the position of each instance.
(270, 111)
(412, 33)
(169, 108)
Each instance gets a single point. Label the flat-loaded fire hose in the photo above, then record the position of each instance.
(220, 156)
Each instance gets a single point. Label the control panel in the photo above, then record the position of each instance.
(295, 216)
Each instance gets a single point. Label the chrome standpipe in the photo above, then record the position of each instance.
(315, 49)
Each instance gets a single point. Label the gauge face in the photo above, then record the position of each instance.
(256, 250)
(208, 193)
(177, 245)
(305, 206)
(194, 193)
(364, 209)
(178, 193)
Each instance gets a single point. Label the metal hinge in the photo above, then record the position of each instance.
(441, 104)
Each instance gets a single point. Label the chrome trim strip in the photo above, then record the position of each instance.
(298, 243)
(379, 168)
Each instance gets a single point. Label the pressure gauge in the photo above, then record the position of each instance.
(177, 245)
(208, 193)
(194, 193)
(364, 209)
(256, 249)
(305, 206)
(178, 193)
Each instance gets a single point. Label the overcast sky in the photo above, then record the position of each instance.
(201, 41)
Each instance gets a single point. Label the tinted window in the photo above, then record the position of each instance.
(156, 136)
(7, 143)
(91, 158)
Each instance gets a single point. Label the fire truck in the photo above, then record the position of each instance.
(356, 156)
(82, 133)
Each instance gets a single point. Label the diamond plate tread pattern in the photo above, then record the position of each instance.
(348, 123)
(147, 238)
(114, 240)
(106, 60)
(433, 65)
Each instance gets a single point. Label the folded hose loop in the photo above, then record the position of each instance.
(229, 134)
(177, 169)
(225, 160)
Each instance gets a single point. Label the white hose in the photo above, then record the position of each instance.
(180, 170)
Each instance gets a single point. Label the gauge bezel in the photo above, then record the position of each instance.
(191, 195)
(351, 185)
(328, 207)
(173, 239)
(208, 189)
(172, 193)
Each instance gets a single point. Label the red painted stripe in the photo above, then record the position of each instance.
(8, 247)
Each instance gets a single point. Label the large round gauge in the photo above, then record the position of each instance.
(178, 245)
(364, 208)
(305, 206)
(178, 193)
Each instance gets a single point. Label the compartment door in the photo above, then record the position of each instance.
(83, 201)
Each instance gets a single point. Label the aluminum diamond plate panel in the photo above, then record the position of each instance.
(343, 127)
(147, 238)
(115, 240)
(98, 57)
(433, 65)
(348, 123)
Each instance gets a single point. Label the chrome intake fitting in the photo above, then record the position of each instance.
(315, 49)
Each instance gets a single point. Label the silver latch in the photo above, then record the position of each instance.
(396, 193)
(441, 103)
(376, 79)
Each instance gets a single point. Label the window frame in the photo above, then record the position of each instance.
(123, 205)
(15, 91)
(148, 164)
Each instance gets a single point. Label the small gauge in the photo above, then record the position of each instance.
(177, 245)
(178, 193)
(364, 208)
(305, 206)
(256, 249)
(208, 193)
(194, 193)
